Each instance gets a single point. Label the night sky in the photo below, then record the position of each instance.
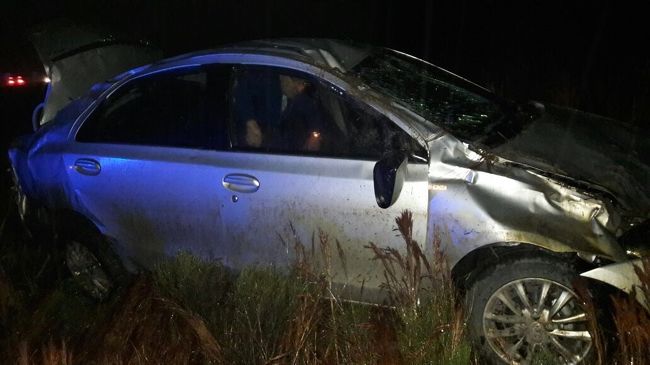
(585, 54)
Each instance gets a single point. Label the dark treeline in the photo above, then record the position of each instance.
(585, 54)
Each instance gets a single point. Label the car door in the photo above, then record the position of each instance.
(145, 165)
(311, 179)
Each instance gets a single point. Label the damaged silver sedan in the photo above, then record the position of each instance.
(220, 152)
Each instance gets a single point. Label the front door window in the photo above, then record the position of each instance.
(282, 111)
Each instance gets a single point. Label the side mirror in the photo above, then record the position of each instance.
(389, 174)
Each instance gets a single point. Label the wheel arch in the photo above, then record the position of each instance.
(470, 267)
(67, 221)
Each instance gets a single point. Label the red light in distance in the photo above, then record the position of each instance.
(15, 81)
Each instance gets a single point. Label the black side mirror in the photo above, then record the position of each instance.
(389, 174)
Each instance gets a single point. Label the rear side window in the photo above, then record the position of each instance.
(182, 108)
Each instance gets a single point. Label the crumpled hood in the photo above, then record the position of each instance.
(590, 148)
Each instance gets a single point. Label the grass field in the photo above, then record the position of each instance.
(187, 311)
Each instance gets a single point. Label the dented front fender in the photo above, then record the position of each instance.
(477, 199)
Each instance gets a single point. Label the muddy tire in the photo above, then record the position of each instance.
(94, 266)
(525, 310)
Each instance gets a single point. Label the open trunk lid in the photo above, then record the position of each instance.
(76, 57)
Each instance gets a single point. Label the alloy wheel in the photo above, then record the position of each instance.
(534, 317)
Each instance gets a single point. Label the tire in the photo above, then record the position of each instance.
(506, 329)
(94, 266)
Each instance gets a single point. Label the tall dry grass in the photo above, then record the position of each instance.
(147, 328)
(7, 299)
(620, 326)
(273, 316)
(50, 354)
(632, 322)
(430, 322)
(192, 311)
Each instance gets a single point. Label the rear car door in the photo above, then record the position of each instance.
(145, 165)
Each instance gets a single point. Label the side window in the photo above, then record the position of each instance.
(282, 111)
(277, 111)
(181, 108)
(363, 133)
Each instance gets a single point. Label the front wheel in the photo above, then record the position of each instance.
(524, 311)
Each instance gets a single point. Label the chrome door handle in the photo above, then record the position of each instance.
(87, 166)
(241, 183)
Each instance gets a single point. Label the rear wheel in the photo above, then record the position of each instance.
(95, 268)
(524, 311)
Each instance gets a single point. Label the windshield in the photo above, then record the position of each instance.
(466, 110)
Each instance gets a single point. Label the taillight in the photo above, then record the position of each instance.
(15, 81)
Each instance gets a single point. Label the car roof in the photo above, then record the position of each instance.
(330, 53)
